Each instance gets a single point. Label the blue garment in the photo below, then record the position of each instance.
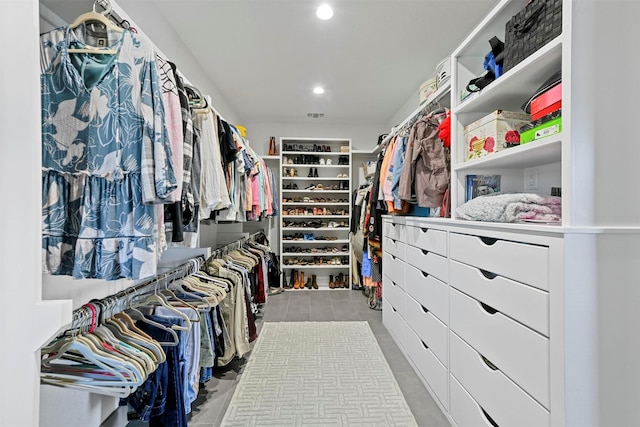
(106, 157)
(398, 164)
(159, 398)
(366, 265)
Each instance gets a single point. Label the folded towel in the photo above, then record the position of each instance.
(512, 207)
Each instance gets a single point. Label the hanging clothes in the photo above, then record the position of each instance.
(106, 156)
(425, 164)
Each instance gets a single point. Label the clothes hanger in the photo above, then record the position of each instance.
(136, 314)
(78, 360)
(157, 298)
(121, 330)
(126, 350)
(94, 17)
(127, 322)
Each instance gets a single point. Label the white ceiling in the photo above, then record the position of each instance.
(265, 56)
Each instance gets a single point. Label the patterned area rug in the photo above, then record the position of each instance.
(317, 374)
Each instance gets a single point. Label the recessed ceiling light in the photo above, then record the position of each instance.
(324, 12)
(318, 90)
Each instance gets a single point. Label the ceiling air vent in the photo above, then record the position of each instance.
(315, 115)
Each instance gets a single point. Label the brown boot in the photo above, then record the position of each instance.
(314, 284)
(332, 284)
(301, 283)
(296, 281)
(338, 282)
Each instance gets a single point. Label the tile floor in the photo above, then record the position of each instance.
(318, 305)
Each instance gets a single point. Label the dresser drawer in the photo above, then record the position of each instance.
(521, 353)
(394, 323)
(432, 293)
(464, 410)
(523, 262)
(393, 293)
(394, 231)
(429, 262)
(505, 402)
(394, 268)
(428, 328)
(394, 247)
(434, 372)
(428, 239)
(520, 302)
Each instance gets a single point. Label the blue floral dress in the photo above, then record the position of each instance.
(106, 157)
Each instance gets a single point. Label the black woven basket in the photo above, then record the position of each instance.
(530, 29)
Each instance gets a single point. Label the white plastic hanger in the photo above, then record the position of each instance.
(94, 17)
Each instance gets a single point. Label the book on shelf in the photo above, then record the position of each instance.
(481, 185)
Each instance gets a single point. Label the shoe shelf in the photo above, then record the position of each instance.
(315, 203)
(315, 241)
(315, 175)
(317, 216)
(286, 190)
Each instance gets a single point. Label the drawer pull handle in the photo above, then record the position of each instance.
(424, 309)
(489, 364)
(488, 309)
(424, 252)
(489, 275)
(424, 230)
(424, 274)
(493, 423)
(488, 240)
(424, 345)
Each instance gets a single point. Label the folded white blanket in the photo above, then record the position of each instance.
(512, 207)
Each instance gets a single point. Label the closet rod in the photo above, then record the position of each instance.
(83, 317)
(434, 99)
(217, 253)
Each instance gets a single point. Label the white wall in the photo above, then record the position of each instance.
(403, 112)
(25, 321)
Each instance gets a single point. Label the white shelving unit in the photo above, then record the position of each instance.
(578, 328)
(315, 209)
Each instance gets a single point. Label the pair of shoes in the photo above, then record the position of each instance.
(273, 150)
(342, 175)
(311, 282)
(313, 173)
(298, 282)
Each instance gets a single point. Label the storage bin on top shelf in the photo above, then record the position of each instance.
(494, 132)
(527, 31)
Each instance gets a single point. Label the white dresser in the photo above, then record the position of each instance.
(470, 309)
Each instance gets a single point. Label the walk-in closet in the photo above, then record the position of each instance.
(340, 212)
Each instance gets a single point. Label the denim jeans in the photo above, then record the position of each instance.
(156, 399)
